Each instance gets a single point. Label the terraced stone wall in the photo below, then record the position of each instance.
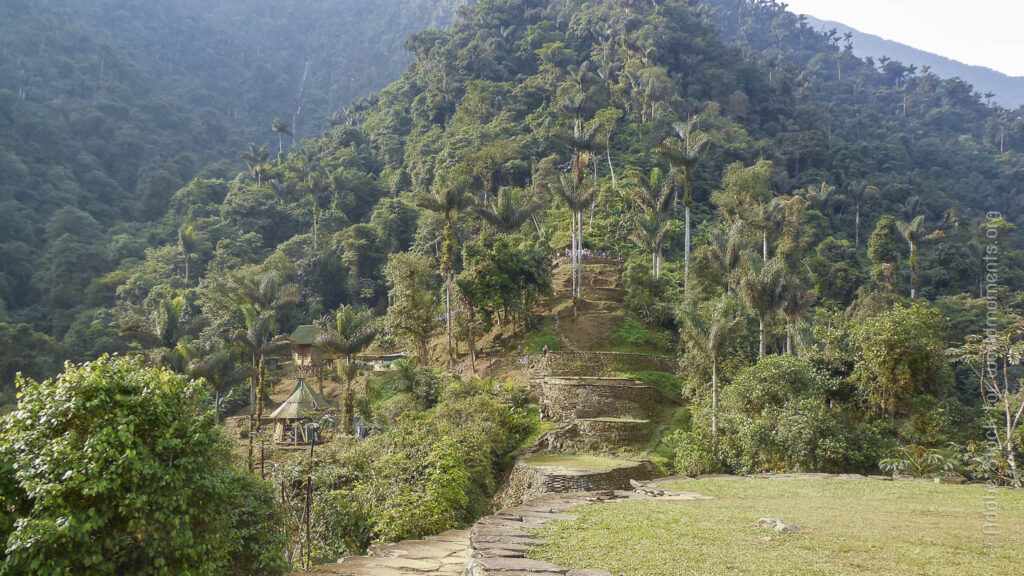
(612, 433)
(527, 482)
(569, 399)
(601, 363)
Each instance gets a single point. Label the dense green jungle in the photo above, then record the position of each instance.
(828, 248)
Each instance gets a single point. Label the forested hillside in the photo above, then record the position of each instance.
(108, 107)
(827, 248)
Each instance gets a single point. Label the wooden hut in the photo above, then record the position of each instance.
(306, 355)
(293, 420)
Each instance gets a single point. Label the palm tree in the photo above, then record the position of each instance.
(649, 232)
(508, 212)
(577, 198)
(213, 364)
(913, 232)
(912, 208)
(858, 195)
(258, 339)
(651, 196)
(190, 242)
(795, 303)
(707, 329)
(266, 293)
(824, 199)
(726, 247)
(256, 158)
(346, 332)
(282, 127)
(448, 199)
(683, 154)
(761, 288)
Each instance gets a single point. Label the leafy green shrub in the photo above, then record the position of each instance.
(982, 464)
(645, 295)
(902, 356)
(775, 417)
(116, 468)
(428, 471)
(695, 454)
(918, 461)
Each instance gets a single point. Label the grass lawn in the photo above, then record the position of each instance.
(577, 461)
(666, 382)
(852, 527)
(537, 338)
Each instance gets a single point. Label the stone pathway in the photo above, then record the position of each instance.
(497, 545)
(443, 554)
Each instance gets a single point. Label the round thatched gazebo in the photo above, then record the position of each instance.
(293, 420)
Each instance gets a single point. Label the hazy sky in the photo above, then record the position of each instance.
(982, 32)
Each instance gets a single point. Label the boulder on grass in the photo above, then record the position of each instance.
(780, 526)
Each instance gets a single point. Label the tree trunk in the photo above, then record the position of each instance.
(913, 271)
(761, 334)
(686, 253)
(856, 227)
(579, 281)
(789, 339)
(260, 393)
(764, 242)
(572, 252)
(448, 313)
(188, 258)
(611, 168)
(714, 397)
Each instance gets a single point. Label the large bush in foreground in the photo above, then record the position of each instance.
(427, 472)
(116, 468)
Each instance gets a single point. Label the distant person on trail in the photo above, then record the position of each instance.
(545, 351)
(519, 350)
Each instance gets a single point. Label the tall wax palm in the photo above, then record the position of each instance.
(256, 158)
(448, 199)
(859, 194)
(683, 154)
(259, 339)
(762, 289)
(266, 293)
(707, 329)
(346, 333)
(189, 242)
(726, 247)
(282, 128)
(508, 211)
(825, 199)
(795, 303)
(651, 195)
(747, 195)
(577, 198)
(649, 232)
(913, 232)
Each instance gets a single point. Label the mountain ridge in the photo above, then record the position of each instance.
(1008, 90)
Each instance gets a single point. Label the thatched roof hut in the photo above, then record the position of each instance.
(293, 419)
(306, 354)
